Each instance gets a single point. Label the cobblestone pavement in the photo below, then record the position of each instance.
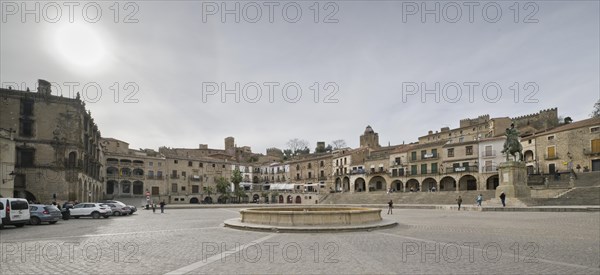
(195, 241)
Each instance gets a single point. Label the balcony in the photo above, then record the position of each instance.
(550, 156)
(489, 169)
(488, 154)
(378, 172)
(463, 169)
(590, 152)
(322, 178)
(174, 176)
(357, 172)
(430, 156)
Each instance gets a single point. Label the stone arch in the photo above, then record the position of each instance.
(112, 171)
(429, 183)
(289, 199)
(138, 172)
(298, 199)
(346, 184)
(412, 185)
(359, 185)
(138, 188)
(528, 156)
(194, 200)
(125, 187)
(280, 198)
(126, 172)
(467, 182)
(397, 185)
(447, 183)
(338, 184)
(377, 183)
(492, 182)
(255, 198)
(72, 160)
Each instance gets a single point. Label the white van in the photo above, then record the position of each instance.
(14, 211)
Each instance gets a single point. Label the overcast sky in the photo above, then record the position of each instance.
(169, 62)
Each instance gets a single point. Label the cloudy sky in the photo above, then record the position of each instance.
(168, 72)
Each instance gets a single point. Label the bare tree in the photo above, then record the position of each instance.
(338, 144)
(596, 111)
(297, 145)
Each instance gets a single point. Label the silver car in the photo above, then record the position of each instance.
(119, 209)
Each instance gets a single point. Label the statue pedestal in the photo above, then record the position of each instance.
(513, 180)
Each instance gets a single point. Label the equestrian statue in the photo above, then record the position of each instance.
(512, 146)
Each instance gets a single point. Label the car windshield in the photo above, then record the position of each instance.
(50, 207)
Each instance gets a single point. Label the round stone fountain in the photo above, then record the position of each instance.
(309, 219)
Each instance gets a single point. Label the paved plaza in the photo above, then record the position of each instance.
(194, 241)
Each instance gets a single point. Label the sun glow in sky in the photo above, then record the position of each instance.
(80, 46)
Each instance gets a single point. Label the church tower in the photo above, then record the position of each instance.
(369, 138)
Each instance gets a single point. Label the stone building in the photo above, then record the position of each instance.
(7, 163)
(312, 172)
(133, 173)
(57, 150)
(566, 147)
(490, 156)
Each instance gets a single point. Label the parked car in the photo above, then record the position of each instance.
(94, 210)
(119, 209)
(131, 207)
(40, 213)
(14, 211)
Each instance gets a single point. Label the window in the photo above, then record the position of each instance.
(25, 157)
(551, 152)
(550, 137)
(322, 174)
(413, 155)
(596, 146)
(297, 176)
(190, 163)
(297, 166)
(413, 169)
(450, 152)
(423, 168)
(469, 150)
(423, 152)
(397, 161)
(150, 173)
(345, 161)
(182, 188)
(183, 174)
(201, 165)
(461, 139)
(434, 152)
(150, 164)
(27, 107)
(310, 175)
(26, 128)
(337, 162)
(175, 161)
(159, 164)
(223, 165)
(322, 164)
(174, 187)
(434, 168)
(195, 189)
(309, 165)
(595, 129)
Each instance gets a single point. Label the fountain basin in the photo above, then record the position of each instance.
(309, 218)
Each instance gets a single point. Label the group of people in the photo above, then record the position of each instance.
(479, 199)
(161, 205)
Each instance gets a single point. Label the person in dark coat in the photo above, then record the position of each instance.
(459, 202)
(390, 207)
(162, 207)
(503, 199)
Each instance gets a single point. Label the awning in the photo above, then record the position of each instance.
(281, 186)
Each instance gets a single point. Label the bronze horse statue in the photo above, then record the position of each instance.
(512, 146)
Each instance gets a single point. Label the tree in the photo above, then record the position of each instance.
(287, 154)
(209, 190)
(236, 178)
(596, 111)
(338, 144)
(297, 146)
(568, 120)
(222, 186)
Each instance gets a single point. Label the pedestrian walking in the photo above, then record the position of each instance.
(162, 207)
(459, 202)
(503, 199)
(153, 207)
(479, 200)
(390, 207)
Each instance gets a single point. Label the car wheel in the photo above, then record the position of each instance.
(95, 215)
(52, 222)
(20, 225)
(35, 220)
(117, 213)
(106, 217)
